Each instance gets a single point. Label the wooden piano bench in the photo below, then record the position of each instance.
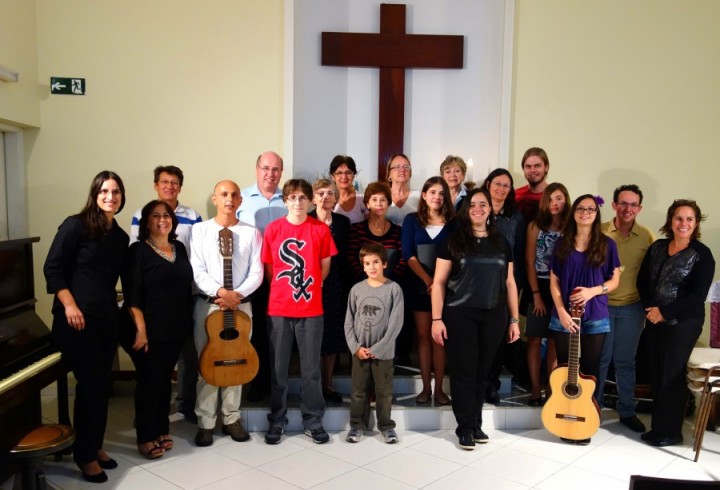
(30, 451)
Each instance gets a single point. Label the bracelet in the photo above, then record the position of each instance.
(536, 292)
(437, 319)
(514, 320)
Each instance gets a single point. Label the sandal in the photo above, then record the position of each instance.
(151, 450)
(423, 398)
(166, 442)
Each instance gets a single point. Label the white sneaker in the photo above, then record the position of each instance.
(390, 436)
(354, 435)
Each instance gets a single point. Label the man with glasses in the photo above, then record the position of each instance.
(296, 252)
(262, 203)
(168, 184)
(627, 316)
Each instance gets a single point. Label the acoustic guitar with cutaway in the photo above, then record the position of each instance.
(571, 412)
(228, 359)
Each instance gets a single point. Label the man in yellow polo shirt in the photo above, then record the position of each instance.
(627, 316)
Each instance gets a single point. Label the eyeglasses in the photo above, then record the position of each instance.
(500, 185)
(625, 204)
(300, 199)
(347, 173)
(404, 168)
(274, 170)
(325, 193)
(173, 183)
(581, 210)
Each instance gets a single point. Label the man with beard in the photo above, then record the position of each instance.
(535, 165)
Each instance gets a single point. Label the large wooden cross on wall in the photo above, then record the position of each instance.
(392, 50)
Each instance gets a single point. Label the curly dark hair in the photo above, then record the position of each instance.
(597, 246)
(143, 232)
(93, 218)
(462, 242)
(666, 228)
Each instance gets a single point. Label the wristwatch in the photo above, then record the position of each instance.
(604, 288)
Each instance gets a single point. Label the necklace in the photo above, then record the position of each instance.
(162, 254)
(381, 228)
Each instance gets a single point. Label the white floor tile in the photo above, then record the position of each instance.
(530, 471)
(306, 468)
(198, 470)
(570, 478)
(413, 467)
(472, 479)
(362, 479)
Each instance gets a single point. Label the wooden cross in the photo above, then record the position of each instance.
(392, 50)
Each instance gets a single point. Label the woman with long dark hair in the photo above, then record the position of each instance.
(673, 282)
(422, 232)
(472, 293)
(82, 269)
(349, 201)
(585, 268)
(157, 291)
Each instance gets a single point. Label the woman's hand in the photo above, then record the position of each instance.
(428, 287)
(539, 306)
(653, 315)
(580, 296)
(567, 322)
(439, 332)
(75, 317)
(141, 341)
(513, 332)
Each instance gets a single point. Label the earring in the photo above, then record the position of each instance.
(487, 221)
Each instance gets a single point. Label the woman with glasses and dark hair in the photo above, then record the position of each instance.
(404, 201)
(673, 282)
(349, 202)
(82, 269)
(157, 290)
(584, 269)
(474, 307)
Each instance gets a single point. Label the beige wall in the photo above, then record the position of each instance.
(623, 92)
(195, 84)
(18, 51)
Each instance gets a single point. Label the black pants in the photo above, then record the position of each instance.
(153, 386)
(590, 351)
(259, 340)
(474, 336)
(669, 349)
(89, 353)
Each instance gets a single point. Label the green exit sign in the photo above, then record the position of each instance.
(67, 86)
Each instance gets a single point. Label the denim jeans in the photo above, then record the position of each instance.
(621, 344)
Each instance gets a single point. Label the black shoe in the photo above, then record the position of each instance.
(647, 435)
(107, 464)
(536, 402)
(273, 435)
(633, 423)
(479, 436)
(189, 415)
(318, 435)
(332, 396)
(492, 397)
(466, 442)
(664, 441)
(204, 437)
(96, 478)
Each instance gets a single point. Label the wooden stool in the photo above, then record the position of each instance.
(711, 386)
(38, 443)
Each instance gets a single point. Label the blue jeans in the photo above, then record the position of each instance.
(620, 346)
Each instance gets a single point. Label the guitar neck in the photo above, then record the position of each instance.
(227, 273)
(574, 356)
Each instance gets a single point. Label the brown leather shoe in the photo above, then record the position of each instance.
(236, 431)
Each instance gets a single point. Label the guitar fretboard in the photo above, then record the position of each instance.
(574, 356)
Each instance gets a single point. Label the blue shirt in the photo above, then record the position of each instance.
(258, 210)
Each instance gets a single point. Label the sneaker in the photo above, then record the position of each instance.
(236, 431)
(354, 435)
(390, 436)
(634, 423)
(273, 435)
(479, 436)
(318, 435)
(467, 442)
(204, 437)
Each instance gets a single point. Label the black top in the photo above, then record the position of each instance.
(477, 280)
(88, 267)
(161, 289)
(677, 285)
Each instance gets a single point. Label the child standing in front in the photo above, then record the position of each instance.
(373, 320)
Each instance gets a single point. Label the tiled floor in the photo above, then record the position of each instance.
(513, 459)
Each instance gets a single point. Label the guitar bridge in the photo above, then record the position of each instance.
(570, 418)
(230, 362)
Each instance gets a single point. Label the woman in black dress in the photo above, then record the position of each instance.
(335, 286)
(81, 270)
(673, 282)
(157, 288)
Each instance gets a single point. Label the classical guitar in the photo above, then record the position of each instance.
(571, 412)
(229, 358)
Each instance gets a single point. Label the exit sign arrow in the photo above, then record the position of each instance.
(67, 86)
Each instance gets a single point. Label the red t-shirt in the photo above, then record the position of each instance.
(295, 252)
(528, 202)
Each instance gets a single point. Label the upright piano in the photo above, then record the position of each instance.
(29, 359)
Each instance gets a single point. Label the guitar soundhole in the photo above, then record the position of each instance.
(229, 334)
(571, 391)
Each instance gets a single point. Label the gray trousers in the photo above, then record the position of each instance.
(380, 371)
(308, 333)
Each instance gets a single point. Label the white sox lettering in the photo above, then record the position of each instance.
(296, 273)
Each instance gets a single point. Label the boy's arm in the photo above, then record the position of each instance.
(350, 336)
(384, 347)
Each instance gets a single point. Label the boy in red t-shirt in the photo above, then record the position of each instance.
(296, 252)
